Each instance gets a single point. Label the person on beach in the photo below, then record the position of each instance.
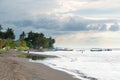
(28, 51)
(82, 51)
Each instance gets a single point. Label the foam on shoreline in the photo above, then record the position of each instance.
(87, 65)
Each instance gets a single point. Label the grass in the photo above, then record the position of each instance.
(22, 56)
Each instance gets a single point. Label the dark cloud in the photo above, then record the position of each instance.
(98, 27)
(71, 24)
(47, 24)
(55, 25)
(23, 23)
(40, 24)
(114, 27)
(84, 25)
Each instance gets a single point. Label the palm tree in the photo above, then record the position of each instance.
(22, 36)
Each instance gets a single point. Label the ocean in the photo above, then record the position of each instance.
(87, 65)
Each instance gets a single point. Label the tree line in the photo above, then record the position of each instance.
(8, 34)
(37, 40)
(31, 39)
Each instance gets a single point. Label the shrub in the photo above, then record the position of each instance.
(23, 48)
(26, 48)
(10, 43)
(2, 51)
(7, 48)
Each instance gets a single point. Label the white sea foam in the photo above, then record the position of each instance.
(103, 65)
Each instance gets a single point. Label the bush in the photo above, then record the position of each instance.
(10, 43)
(20, 48)
(2, 51)
(26, 48)
(7, 48)
(23, 48)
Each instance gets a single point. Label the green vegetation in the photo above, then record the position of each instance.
(8, 34)
(23, 48)
(37, 40)
(22, 45)
(2, 51)
(10, 44)
(32, 40)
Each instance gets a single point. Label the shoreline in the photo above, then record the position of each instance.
(22, 69)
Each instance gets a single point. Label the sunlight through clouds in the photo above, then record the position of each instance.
(75, 5)
(89, 39)
(69, 5)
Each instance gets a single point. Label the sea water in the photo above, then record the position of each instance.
(87, 65)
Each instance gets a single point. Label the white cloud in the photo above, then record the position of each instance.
(35, 8)
(102, 4)
(68, 5)
(74, 5)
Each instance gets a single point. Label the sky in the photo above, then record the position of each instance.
(73, 23)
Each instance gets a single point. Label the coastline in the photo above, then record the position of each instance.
(21, 69)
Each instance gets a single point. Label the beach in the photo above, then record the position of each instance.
(14, 68)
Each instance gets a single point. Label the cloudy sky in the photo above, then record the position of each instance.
(77, 23)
